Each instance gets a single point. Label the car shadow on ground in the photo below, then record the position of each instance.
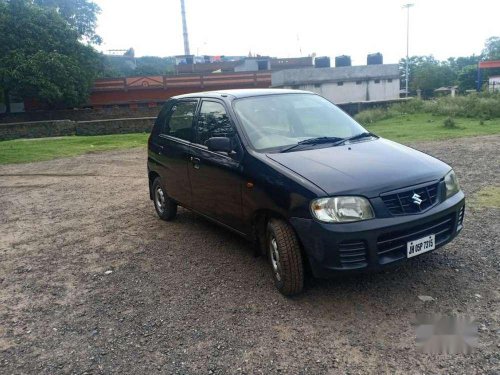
(401, 280)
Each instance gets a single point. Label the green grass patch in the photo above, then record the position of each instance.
(404, 128)
(29, 150)
(488, 197)
(409, 128)
(483, 106)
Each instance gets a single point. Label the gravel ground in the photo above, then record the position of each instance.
(92, 282)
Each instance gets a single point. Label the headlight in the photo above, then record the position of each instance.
(342, 209)
(452, 186)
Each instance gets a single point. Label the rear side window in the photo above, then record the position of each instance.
(159, 126)
(213, 121)
(180, 124)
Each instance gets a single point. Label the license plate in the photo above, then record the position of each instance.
(420, 246)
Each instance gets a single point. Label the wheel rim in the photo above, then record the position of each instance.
(160, 200)
(275, 257)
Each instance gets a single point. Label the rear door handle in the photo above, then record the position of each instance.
(195, 161)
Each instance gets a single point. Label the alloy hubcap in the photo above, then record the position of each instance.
(160, 199)
(275, 257)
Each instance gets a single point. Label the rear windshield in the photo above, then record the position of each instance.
(283, 120)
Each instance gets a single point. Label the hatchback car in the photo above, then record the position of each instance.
(292, 172)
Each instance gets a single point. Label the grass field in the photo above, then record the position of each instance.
(427, 127)
(28, 150)
(403, 128)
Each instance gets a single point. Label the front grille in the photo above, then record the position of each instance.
(392, 246)
(403, 203)
(353, 254)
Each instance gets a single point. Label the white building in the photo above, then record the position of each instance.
(349, 84)
(494, 83)
(14, 107)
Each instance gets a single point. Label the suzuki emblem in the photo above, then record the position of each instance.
(416, 199)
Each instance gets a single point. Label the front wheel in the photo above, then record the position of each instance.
(285, 257)
(165, 207)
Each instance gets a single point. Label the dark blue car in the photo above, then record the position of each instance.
(303, 180)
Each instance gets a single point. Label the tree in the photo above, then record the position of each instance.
(467, 78)
(130, 53)
(152, 66)
(53, 77)
(427, 74)
(117, 66)
(81, 16)
(459, 63)
(41, 56)
(125, 66)
(491, 49)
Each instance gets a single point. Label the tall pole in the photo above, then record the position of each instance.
(184, 29)
(407, 6)
(478, 83)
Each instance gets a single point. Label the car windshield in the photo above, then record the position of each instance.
(275, 122)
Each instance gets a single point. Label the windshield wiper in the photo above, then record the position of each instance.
(337, 141)
(314, 141)
(358, 136)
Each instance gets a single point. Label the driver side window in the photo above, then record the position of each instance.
(213, 121)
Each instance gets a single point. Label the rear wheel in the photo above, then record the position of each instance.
(285, 257)
(165, 207)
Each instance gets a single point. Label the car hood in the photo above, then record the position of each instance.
(364, 168)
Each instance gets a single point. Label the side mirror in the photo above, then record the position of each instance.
(217, 144)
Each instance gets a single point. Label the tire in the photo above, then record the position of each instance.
(165, 207)
(285, 257)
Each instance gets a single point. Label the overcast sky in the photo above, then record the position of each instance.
(289, 28)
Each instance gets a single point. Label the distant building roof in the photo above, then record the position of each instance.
(203, 68)
(446, 88)
(291, 63)
(229, 66)
(322, 75)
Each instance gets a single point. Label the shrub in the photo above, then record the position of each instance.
(484, 106)
(407, 107)
(449, 109)
(371, 115)
(489, 107)
(449, 123)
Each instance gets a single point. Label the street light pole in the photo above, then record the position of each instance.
(407, 6)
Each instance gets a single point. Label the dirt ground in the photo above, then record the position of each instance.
(92, 282)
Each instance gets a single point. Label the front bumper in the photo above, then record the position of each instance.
(374, 244)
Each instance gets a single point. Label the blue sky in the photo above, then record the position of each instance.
(285, 28)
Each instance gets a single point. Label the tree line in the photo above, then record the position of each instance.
(428, 74)
(47, 54)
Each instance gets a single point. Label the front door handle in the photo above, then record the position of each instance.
(195, 161)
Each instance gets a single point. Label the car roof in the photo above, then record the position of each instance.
(240, 93)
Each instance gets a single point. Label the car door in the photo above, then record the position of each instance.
(216, 178)
(174, 142)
